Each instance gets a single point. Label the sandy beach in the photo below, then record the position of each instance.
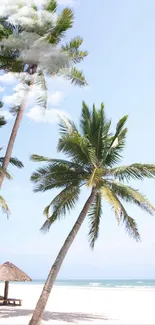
(69, 305)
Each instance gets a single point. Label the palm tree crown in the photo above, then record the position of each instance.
(32, 47)
(94, 153)
(31, 41)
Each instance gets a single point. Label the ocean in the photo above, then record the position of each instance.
(100, 283)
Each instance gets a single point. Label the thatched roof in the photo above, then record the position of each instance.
(10, 272)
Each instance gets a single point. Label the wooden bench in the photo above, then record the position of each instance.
(11, 301)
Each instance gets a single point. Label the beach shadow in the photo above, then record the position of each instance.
(59, 316)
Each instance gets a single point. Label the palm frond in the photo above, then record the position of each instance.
(7, 175)
(121, 214)
(64, 22)
(116, 144)
(40, 82)
(78, 148)
(66, 126)
(13, 161)
(50, 5)
(96, 128)
(72, 143)
(95, 177)
(99, 131)
(111, 198)
(128, 194)
(113, 152)
(94, 215)
(75, 76)
(69, 164)
(134, 171)
(16, 162)
(64, 202)
(85, 121)
(9, 62)
(56, 175)
(38, 158)
(2, 119)
(120, 125)
(4, 206)
(72, 49)
(130, 224)
(131, 227)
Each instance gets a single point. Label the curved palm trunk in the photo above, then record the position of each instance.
(41, 304)
(12, 138)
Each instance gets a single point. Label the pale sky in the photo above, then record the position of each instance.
(120, 69)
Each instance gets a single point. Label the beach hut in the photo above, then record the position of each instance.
(10, 272)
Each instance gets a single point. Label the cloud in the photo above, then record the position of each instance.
(8, 78)
(49, 116)
(59, 82)
(1, 89)
(11, 6)
(16, 98)
(6, 114)
(13, 100)
(8, 99)
(7, 2)
(23, 16)
(56, 98)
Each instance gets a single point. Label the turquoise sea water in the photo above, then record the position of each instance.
(100, 283)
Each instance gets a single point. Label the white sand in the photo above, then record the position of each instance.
(68, 305)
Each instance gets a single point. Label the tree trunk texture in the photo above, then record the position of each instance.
(6, 290)
(13, 138)
(41, 304)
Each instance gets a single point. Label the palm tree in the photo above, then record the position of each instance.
(93, 151)
(13, 161)
(32, 45)
(3, 203)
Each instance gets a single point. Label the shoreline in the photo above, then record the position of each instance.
(90, 287)
(69, 305)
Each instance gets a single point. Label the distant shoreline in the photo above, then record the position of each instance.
(82, 305)
(137, 283)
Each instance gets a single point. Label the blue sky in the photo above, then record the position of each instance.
(120, 69)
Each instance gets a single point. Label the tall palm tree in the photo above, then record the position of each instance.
(93, 153)
(31, 43)
(13, 161)
(3, 203)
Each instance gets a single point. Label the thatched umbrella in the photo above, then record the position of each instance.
(10, 272)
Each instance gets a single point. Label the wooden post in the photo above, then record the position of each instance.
(6, 290)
